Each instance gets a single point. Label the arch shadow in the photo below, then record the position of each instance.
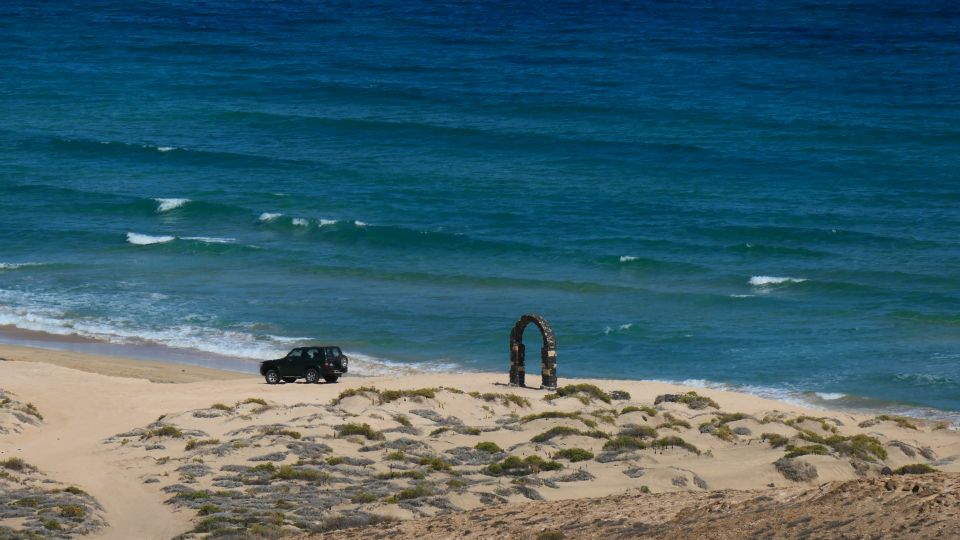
(548, 352)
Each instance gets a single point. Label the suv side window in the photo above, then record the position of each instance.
(295, 354)
(332, 353)
(313, 354)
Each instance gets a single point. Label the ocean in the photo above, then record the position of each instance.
(763, 196)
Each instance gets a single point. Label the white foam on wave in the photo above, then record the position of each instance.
(627, 258)
(607, 330)
(742, 295)
(369, 366)
(269, 216)
(209, 239)
(16, 266)
(766, 281)
(146, 240)
(166, 205)
(300, 222)
(359, 223)
(830, 396)
(326, 222)
(222, 342)
(166, 148)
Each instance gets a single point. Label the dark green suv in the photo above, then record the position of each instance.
(309, 363)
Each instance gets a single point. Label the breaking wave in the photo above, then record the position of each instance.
(146, 240)
(767, 281)
(166, 205)
(138, 239)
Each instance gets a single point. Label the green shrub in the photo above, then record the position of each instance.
(775, 440)
(51, 524)
(644, 489)
(31, 409)
(549, 415)
(915, 468)
(193, 443)
(274, 430)
(590, 390)
(504, 399)
(359, 429)
(550, 535)
(624, 443)
(650, 411)
(257, 401)
(673, 422)
(605, 416)
(563, 431)
(163, 431)
(435, 463)
(267, 467)
(665, 442)
(488, 447)
(813, 449)
(221, 407)
(901, 421)
(415, 475)
(456, 483)
(858, 446)
(14, 464)
(362, 497)
(824, 425)
(386, 396)
(402, 420)
(351, 392)
(198, 495)
(419, 490)
(694, 400)
(724, 433)
(208, 509)
(336, 460)
(75, 490)
(289, 472)
(723, 418)
(639, 431)
(515, 466)
(574, 454)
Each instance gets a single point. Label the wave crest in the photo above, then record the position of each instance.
(146, 240)
(166, 205)
(767, 281)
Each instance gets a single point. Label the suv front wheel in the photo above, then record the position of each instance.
(312, 376)
(272, 376)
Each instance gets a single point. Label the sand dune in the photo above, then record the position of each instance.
(233, 454)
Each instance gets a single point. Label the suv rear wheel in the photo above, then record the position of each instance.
(272, 377)
(312, 376)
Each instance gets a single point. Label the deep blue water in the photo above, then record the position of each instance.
(406, 178)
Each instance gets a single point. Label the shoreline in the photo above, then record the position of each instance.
(169, 364)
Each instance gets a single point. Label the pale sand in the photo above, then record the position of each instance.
(160, 372)
(83, 409)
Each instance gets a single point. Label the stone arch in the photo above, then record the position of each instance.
(548, 352)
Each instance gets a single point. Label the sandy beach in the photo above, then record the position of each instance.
(157, 450)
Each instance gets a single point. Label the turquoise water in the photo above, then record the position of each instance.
(744, 194)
